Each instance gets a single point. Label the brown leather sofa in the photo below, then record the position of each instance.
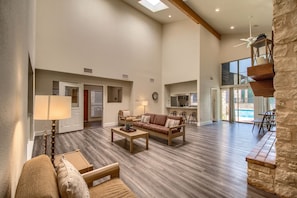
(162, 126)
(39, 179)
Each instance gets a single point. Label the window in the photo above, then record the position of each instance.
(114, 94)
(235, 72)
(73, 92)
(193, 99)
(238, 101)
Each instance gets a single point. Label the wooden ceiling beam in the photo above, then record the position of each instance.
(182, 6)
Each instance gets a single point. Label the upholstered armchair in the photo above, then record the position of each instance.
(125, 116)
(40, 179)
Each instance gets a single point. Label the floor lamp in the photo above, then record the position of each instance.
(144, 103)
(49, 107)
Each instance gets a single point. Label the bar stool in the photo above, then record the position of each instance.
(192, 117)
(173, 113)
(183, 114)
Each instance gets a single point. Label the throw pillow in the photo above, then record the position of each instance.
(145, 119)
(126, 113)
(171, 123)
(70, 182)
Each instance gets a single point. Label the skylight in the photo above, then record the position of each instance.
(153, 5)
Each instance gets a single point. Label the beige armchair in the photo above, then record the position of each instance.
(125, 116)
(39, 179)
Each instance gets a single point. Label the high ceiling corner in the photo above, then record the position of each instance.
(217, 16)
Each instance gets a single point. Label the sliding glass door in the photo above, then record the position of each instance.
(225, 96)
(243, 104)
(237, 104)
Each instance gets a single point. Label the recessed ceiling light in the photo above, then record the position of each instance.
(217, 9)
(169, 16)
(232, 27)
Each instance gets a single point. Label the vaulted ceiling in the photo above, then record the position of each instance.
(232, 13)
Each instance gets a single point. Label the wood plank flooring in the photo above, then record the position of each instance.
(211, 163)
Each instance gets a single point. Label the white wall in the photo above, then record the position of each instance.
(209, 75)
(107, 36)
(180, 52)
(14, 46)
(44, 82)
(191, 53)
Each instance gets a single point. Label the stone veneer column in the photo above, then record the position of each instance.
(285, 84)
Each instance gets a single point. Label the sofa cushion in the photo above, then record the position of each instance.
(156, 128)
(71, 183)
(145, 119)
(152, 116)
(176, 118)
(160, 119)
(38, 179)
(172, 122)
(138, 124)
(110, 189)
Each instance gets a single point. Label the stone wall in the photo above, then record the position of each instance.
(261, 163)
(285, 84)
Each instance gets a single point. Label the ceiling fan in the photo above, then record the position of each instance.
(250, 40)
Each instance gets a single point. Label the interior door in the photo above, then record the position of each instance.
(74, 123)
(214, 93)
(86, 105)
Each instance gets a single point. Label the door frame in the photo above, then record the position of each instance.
(76, 122)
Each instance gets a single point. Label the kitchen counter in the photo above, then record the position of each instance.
(185, 107)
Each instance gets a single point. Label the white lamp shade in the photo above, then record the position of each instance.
(52, 107)
(144, 103)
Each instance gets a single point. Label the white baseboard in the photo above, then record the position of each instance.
(110, 124)
(204, 123)
(39, 133)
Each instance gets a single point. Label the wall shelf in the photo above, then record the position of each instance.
(263, 72)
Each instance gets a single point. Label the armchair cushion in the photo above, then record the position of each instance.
(110, 189)
(126, 113)
(38, 179)
(70, 182)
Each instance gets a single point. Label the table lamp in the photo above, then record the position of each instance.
(50, 107)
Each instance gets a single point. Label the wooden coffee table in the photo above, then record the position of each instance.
(131, 136)
(77, 159)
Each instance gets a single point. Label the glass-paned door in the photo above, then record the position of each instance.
(75, 122)
(243, 104)
(225, 95)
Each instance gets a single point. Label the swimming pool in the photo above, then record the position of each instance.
(244, 114)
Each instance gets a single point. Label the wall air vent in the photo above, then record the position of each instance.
(88, 70)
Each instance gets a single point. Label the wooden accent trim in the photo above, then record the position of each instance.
(194, 16)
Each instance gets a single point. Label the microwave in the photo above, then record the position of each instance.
(179, 101)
